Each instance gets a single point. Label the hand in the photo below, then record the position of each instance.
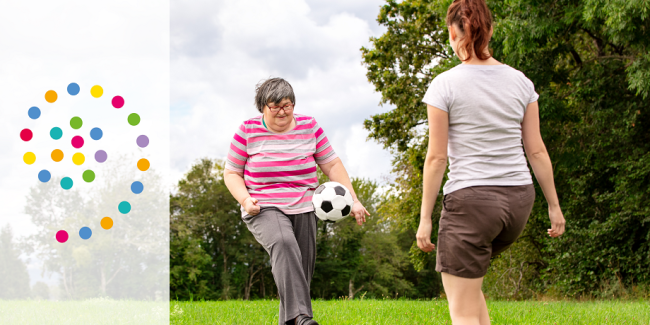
(557, 222)
(251, 207)
(359, 212)
(423, 236)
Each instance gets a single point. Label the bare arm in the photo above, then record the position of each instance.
(541, 164)
(434, 169)
(337, 173)
(235, 183)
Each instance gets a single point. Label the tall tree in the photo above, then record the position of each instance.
(590, 64)
(14, 279)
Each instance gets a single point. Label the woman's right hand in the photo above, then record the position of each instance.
(557, 221)
(251, 207)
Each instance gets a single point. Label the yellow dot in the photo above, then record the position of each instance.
(107, 223)
(96, 91)
(143, 164)
(51, 96)
(57, 155)
(78, 158)
(29, 158)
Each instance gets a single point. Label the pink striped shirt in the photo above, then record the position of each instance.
(280, 169)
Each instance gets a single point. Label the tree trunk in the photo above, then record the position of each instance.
(262, 291)
(249, 285)
(225, 278)
(353, 292)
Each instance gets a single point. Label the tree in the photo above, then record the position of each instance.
(14, 280)
(590, 64)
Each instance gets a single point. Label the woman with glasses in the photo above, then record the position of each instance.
(479, 113)
(271, 172)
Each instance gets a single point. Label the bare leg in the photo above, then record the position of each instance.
(466, 301)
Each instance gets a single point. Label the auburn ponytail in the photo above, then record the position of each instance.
(475, 21)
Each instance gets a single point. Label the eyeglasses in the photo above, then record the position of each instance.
(286, 108)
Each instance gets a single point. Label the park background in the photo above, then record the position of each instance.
(361, 70)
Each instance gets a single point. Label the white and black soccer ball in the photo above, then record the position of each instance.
(332, 202)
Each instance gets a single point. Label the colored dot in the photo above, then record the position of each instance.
(73, 89)
(56, 133)
(78, 158)
(88, 176)
(29, 158)
(66, 183)
(118, 102)
(34, 112)
(143, 164)
(96, 91)
(77, 141)
(57, 155)
(26, 134)
(51, 96)
(142, 141)
(134, 119)
(107, 223)
(44, 176)
(85, 232)
(62, 236)
(137, 187)
(124, 207)
(100, 156)
(76, 122)
(96, 133)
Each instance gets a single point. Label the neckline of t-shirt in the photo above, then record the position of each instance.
(483, 66)
(285, 132)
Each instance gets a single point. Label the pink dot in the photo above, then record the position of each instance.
(77, 141)
(62, 236)
(26, 134)
(118, 101)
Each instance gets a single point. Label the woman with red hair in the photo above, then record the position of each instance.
(479, 112)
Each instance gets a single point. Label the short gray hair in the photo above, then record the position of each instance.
(273, 90)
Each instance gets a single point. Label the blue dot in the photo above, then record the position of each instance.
(73, 89)
(124, 207)
(85, 232)
(34, 112)
(66, 183)
(137, 187)
(44, 176)
(56, 133)
(96, 133)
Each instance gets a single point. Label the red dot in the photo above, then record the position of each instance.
(118, 101)
(26, 134)
(62, 236)
(77, 141)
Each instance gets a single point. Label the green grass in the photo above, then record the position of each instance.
(91, 311)
(393, 312)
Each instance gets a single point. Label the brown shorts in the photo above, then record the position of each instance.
(478, 223)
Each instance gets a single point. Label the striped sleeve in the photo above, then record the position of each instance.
(237, 154)
(324, 151)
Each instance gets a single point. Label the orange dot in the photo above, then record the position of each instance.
(57, 155)
(143, 164)
(107, 223)
(51, 96)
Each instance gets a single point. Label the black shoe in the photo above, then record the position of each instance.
(305, 320)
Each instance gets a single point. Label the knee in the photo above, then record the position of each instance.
(284, 245)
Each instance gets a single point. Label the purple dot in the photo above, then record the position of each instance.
(142, 141)
(101, 156)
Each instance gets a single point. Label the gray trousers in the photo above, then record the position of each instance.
(290, 240)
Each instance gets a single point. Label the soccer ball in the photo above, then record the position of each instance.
(332, 202)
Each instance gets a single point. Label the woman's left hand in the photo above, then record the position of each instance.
(359, 212)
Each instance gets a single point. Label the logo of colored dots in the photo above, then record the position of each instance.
(78, 158)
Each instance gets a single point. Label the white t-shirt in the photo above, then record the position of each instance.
(486, 106)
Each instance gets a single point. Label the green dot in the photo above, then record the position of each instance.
(76, 122)
(56, 133)
(134, 119)
(89, 176)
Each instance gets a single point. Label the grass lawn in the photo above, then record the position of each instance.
(395, 312)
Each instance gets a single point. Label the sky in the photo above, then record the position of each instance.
(221, 49)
